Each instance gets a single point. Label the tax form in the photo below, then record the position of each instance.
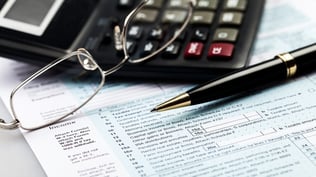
(270, 132)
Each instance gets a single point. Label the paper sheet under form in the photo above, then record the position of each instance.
(265, 133)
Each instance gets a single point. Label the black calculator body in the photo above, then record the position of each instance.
(218, 39)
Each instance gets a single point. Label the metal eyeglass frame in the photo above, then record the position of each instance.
(88, 63)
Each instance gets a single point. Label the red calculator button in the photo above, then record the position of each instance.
(194, 50)
(221, 50)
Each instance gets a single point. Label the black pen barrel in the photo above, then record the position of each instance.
(297, 62)
(240, 81)
(305, 59)
(283, 66)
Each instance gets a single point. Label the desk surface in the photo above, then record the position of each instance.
(17, 158)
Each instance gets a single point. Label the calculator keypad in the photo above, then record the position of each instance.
(205, 15)
(218, 39)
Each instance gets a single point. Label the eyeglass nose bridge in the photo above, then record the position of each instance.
(9, 126)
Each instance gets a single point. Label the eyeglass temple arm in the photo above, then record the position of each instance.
(192, 4)
(9, 126)
(14, 124)
(118, 35)
(119, 40)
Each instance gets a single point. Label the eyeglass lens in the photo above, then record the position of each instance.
(45, 99)
(151, 29)
(46, 95)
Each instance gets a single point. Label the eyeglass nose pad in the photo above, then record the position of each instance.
(118, 38)
(86, 60)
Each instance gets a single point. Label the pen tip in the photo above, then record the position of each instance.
(154, 110)
(176, 102)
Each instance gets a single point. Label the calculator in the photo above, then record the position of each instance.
(217, 40)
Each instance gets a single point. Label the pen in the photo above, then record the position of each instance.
(282, 67)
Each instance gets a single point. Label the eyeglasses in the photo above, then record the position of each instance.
(83, 74)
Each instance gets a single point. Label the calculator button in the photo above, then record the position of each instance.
(146, 15)
(194, 50)
(174, 16)
(178, 3)
(156, 34)
(131, 47)
(135, 32)
(235, 5)
(202, 17)
(226, 34)
(154, 3)
(200, 34)
(149, 48)
(231, 18)
(124, 4)
(181, 37)
(172, 51)
(221, 50)
(207, 4)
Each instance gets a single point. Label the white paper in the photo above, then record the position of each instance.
(286, 25)
(262, 134)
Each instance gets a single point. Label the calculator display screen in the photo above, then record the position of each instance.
(28, 16)
(52, 23)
